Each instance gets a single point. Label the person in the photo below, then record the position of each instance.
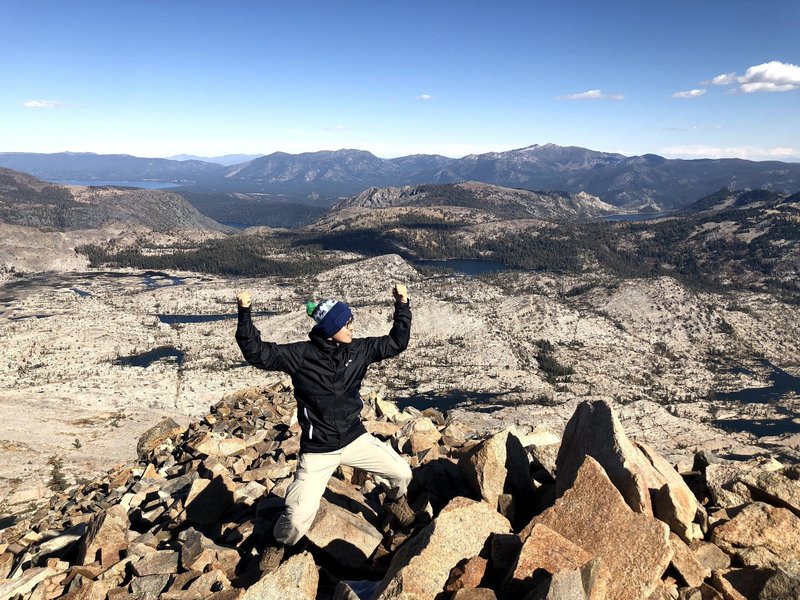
(327, 371)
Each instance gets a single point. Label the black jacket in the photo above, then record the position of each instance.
(326, 376)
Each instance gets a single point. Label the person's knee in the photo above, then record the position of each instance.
(405, 473)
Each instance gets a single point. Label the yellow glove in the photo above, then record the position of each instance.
(400, 293)
(243, 299)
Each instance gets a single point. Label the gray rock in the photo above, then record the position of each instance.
(421, 567)
(346, 537)
(295, 579)
(761, 536)
(155, 436)
(150, 586)
(497, 463)
(783, 584)
(106, 539)
(160, 562)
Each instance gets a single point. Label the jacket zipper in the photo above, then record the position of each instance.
(310, 424)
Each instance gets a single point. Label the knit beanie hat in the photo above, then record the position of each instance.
(330, 316)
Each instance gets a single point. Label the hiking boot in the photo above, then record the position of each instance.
(271, 559)
(400, 510)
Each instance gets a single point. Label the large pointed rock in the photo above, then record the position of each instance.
(348, 538)
(637, 471)
(761, 536)
(296, 579)
(497, 462)
(106, 540)
(594, 430)
(633, 548)
(420, 568)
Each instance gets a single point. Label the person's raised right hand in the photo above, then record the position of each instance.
(243, 299)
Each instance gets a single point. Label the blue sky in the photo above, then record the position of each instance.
(449, 77)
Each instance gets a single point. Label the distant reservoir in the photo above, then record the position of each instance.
(639, 216)
(147, 185)
(465, 266)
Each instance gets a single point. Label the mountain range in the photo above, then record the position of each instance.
(648, 182)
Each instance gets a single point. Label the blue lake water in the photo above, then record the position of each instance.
(639, 216)
(782, 383)
(465, 266)
(154, 279)
(171, 319)
(147, 185)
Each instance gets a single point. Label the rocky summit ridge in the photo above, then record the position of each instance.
(512, 514)
(502, 202)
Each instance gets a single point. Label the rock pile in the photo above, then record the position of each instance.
(514, 515)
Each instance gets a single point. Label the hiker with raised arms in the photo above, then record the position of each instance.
(327, 371)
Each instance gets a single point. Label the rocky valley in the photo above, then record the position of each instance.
(687, 326)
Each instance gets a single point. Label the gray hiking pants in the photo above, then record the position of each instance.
(314, 469)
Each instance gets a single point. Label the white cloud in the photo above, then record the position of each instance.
(591, 95)
(746, 152)
(337, 128)
(42, 104)
(424, 97)
(689, 93)
(724, 79)
(773, 76)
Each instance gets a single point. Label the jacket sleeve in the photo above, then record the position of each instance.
(393, 344)
(265, 355)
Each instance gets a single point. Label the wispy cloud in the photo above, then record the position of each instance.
(689, 93)
(42, 104)
(591, 95)
(337, 128)
(746, 152)
(773, 76)
(424, 97)
(691, 128)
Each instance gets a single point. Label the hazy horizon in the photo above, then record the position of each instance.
(687, 80)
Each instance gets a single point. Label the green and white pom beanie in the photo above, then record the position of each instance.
(330, 315)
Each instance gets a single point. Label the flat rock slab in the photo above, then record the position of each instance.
(296, 579)
(346, 537)
(421, 566)
(106, 539)
(761, 536)
(633, 548)
(734, 484)
(215, 446)
(675, 504)
(543, 554)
